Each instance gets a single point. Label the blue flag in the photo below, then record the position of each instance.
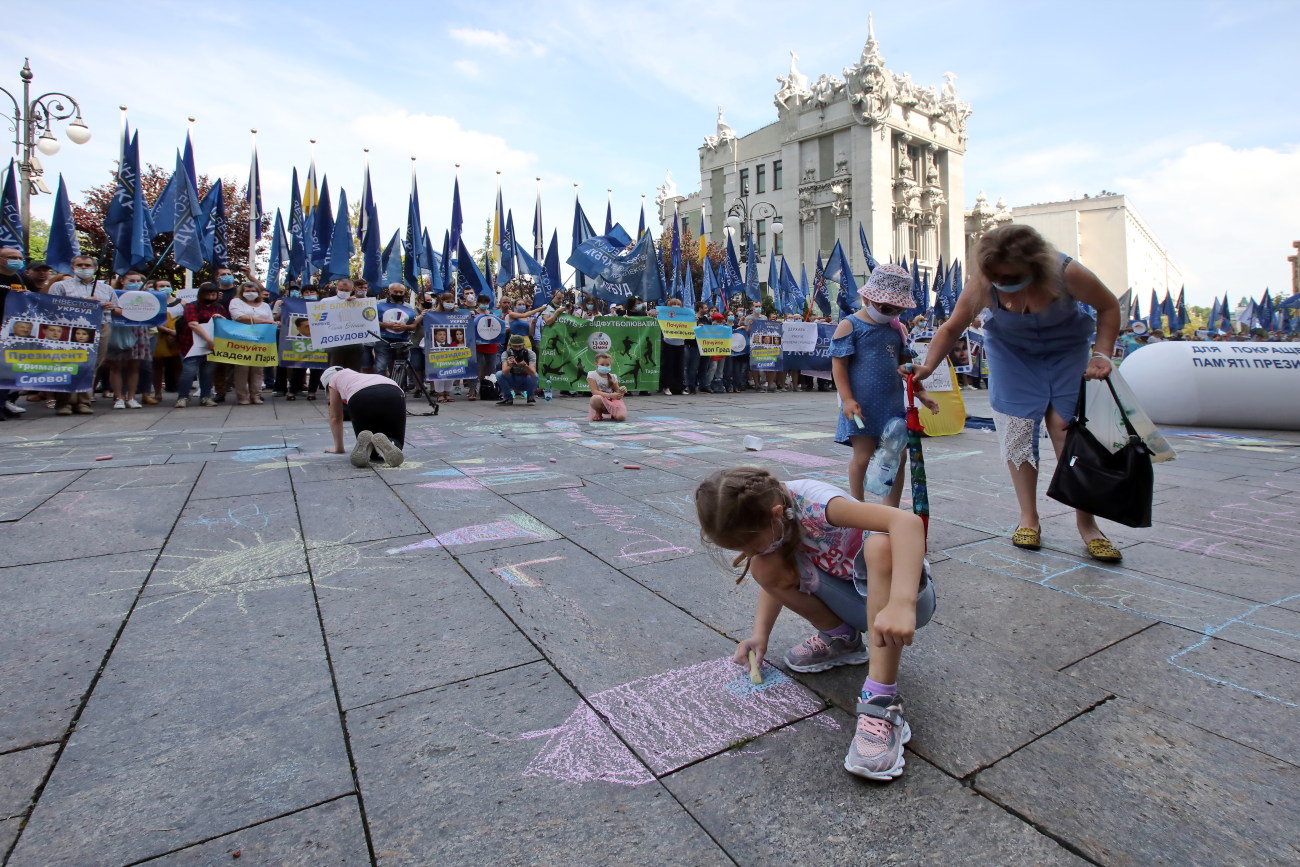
(539, 241)
(63, 244)
(297, 239)
(1137, 310)
(675, 257)
(446, 259)
(956, 282)
(552, 263)
(372, 270)
(730, 281)
(838, 271)
(1265, 311)
(752, 290)
(11, 218)
(323, 227)
(582, 230)
(1225, 312)
(367, 208)
(390, 261)
(622, 271)
(640, 225)
(413, 243)
(457, 218)
(279, 254)
(187, 234)
(433, 264)
(1180, 309)
(866, 250)
(609, 215)
(212, 219)
(820, 294)
(789, 293)
(802, 307)
(470, 277)
(127, 224)
(1211, 323)
(338, 262)
(506, 270)
(1153, 312)
(254, 197)
(708, 286)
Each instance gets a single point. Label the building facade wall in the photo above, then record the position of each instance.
(868, 147)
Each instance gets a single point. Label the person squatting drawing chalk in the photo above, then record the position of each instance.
(804, 543)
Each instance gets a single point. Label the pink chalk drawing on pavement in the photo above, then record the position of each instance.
(670, 720)
(515, 574)
(455, 485)
(798, 459)
(511, 527)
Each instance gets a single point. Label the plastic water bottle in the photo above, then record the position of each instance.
(546, 392)
(884, 465)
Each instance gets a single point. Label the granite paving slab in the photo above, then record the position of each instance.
(23, 493)
(784, 799)
(120, 521)
(205, 719)
(352, 510)
(1230, 578)
(59, 624)
(1036, 623)
(400, 623)
(122, 478)
(331, 834)
(969, 702)
(640, 484)
(555, 592)
(614, 527)
(1129, 785)
(513, 768)
(464, 516)
(1247, 696)
(228, 478)
(21, 772)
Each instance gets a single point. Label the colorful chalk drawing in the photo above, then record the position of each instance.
(259, 567)
(1200, 611)
(454, 485)
(518, 526)
(1257, 533)
(669, 720)
(799, 459)
(619, 520)
(515, 574)
(247, 516)
(694, 437)
(1218, 438)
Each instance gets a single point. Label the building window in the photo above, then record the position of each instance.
(826, 223)
(744, 182)
(760, 179)
(776, 174)
(778, 245)
(760, 227)
(826, 156)
(913, 242)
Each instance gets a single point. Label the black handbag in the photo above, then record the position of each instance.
(1088, 477)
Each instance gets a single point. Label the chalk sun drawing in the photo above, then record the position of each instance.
(256, 568)
(670, 720)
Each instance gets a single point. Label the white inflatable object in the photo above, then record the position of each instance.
(1251, 385)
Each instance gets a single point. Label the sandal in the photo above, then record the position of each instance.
(311, 396)
(1104, 551)
(1030, 540)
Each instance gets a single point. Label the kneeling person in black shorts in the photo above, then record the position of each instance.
(378, 409)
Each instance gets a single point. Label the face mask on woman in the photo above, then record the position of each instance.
(1014, 287)
(251, 297)
(134, 286)
(519, 308)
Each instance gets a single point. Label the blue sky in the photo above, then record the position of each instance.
(1187, 107)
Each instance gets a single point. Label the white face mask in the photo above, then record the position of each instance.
(250, 297)
(343, 295)
(84, 273)
(877, 317)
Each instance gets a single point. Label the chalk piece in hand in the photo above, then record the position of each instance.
(631, 466)
(857, 420)
(755, 676)
(105, 458)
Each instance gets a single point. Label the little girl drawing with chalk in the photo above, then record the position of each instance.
(803, 541)
(606, 393)
(866, 350)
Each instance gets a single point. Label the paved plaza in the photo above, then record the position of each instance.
(219, 642)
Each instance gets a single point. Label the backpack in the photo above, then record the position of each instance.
(487, 390)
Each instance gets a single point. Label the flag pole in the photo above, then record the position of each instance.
(189, 275)
(252, 212)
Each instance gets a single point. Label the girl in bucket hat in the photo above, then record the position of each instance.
(866, 351)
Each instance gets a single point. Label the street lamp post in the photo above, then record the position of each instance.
(32, 123)
(740, 215)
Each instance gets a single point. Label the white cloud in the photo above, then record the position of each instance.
(468, 68)
(1228, 216)
(495, 40)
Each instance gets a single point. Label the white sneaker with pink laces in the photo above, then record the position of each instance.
(876, 751)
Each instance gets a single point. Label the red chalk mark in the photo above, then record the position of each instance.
(631, 466)
(105, 458)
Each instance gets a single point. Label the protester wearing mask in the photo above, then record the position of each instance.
(397, 321)
(249, 308)
(165, 368)
(12, 279)
(446, 303)
(672, 360)
(518, 372)
(83, 284)
(299, 377)
(196, 343)
(351, 357)
(128, 347)
(1040, 345)
(488, 331)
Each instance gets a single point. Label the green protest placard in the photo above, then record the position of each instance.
(569, 347)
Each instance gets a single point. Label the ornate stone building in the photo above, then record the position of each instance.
(869, 146)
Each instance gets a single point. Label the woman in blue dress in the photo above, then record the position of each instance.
(866, 350)
(1039, 343)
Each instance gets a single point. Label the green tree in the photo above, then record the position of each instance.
(39, 240)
